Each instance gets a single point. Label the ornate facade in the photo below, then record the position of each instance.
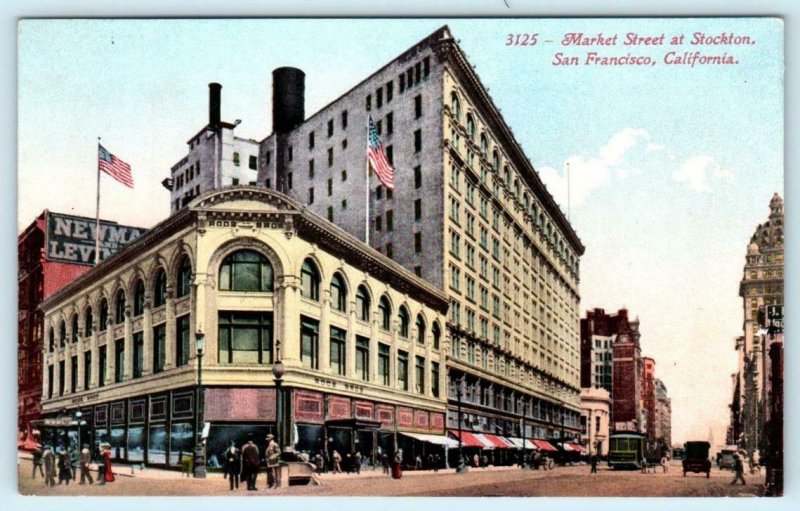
(362, 340)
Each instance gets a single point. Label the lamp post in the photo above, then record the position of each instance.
(278, 371)
(199, 450)
(78, 416)
(461, 468)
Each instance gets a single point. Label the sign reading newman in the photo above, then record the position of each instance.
(70, 239)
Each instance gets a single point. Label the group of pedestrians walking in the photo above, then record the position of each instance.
(50, 464)
(243, 465)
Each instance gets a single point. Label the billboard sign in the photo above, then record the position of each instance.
(71, 239)
(774, 318)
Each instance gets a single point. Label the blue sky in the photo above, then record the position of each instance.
(672, 167)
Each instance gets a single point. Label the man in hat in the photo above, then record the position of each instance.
(273, 457)
(250, 461)
(85, 459)
(49, 460)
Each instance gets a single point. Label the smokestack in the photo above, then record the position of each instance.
(288, 99)
(214, 90)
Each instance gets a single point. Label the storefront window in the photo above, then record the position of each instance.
(220, 435)
(310, 439)
(181, 441)
(117, 441)
(157, 445)
(136, 443)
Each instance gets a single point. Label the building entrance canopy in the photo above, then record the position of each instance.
(544, 445)
(433, 439)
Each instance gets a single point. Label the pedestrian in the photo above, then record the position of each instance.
(484, 461)
(385, 463)
(250, 461)
(476, 460)
(738, 467)
(665, 463)
(593, 460)
(644, 465)
(37, 462)
(436, 461)
(49, 460)
(358, 458)
(319, 462)
(348, 463)
(233, 464)
(418, 462)
(101, 466)
(64, 468)
(273, 455)
(337, 462)
(108, 472)
(85, 459)
(397, 471)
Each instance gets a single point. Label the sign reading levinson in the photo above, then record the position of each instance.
(71, 239)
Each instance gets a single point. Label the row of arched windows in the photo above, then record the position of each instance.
(182, 288)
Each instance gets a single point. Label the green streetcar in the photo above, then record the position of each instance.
(626, 451)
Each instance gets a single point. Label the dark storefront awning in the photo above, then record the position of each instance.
(353, 423)
(544, 445)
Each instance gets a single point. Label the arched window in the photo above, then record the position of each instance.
(338, 293)
(385, 311)
(74, 337)
(103, 315)
(495, 161)
(246, 270)
(184, 281)
(526, 201)
(455, 106)
(362, 303)
(309, 280)
(160, 291)
(62, 334)
(51, 337)
(88, 323)
(470, 127)
(404, 321)
(437, 335)
(119, 307)
(420, 330)
(484, 145)
(516, 188)
(506, 176)
(138, 299)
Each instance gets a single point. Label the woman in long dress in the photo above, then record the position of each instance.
(109, 474)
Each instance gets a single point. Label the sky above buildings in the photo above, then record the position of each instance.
(672, 166)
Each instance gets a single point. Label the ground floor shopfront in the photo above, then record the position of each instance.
(159, 429)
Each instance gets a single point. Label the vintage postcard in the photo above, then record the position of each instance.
(401, 257)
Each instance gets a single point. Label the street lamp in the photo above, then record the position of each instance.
(78, 415)
(461, 468)
(199, 450)
(278, 371)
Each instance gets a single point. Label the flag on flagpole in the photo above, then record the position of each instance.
(114, 167)
(376, 154)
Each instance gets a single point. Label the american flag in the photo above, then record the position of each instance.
(377, 157)
(115, 167)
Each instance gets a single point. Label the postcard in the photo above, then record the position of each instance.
(401, 257)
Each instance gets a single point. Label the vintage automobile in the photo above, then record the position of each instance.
(696, 458)
(725, 459)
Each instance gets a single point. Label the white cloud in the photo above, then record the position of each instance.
(622, 141)
(696, 170)
(590, 173)
(654, 147)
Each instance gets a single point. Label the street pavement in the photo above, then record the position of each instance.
(575, 481)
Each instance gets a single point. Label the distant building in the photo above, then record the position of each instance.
(627, 412)
(761, 287)
(599, 330)
(649, 396)
(54, 250)
(663, 419)
(596, 419)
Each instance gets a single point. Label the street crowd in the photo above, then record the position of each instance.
(51, 464)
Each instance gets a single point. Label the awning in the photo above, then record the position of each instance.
(487, 444)
(498, 441)
(518, 443)
(574, 447)
(544, 445)
(468, 439)
(433, 439)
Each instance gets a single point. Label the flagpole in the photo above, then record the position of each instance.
(366, 188)
(97, 211)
